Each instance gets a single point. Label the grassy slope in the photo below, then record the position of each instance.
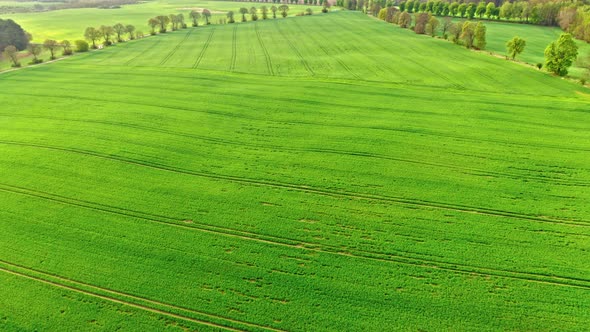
(254, 182)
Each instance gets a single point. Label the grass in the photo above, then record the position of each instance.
(279, 176)
(537, 38)
(70, 23)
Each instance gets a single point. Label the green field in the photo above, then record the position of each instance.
(70, 23)
(329, 172)
(537, 38)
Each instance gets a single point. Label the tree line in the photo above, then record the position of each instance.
(119, 32)
(541, 12)
(559, 55)
(470, 34)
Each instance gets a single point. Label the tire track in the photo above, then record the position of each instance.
(176, 48)
(317, 191)
(218, 141)
(234, 49)
(127, 299)
(312, 123)
(204, 49)
(155, 45)
(266, 54)
(323, 48)
(295, 50)
(310, 246)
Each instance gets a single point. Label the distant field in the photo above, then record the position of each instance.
(329, 172)
(70, 23)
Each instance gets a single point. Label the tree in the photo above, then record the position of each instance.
(506, 10)
(12, 34)
(52, 46)
(174, 21)
(106, 32)
(420, 26)
(405, 20)
(490, 9)
(471, 9)
(480, 9)
(264, 11)
(119, 30)
(244, 11)
(432, 26)
(130, 30)
(180, 19)
(207, 16)
(163, 22)
(462, 10)
(230, 17)
(195, 16)
(11, 53)
(515, 46)
(308, 11)
(560, 54)
(153, 23)
(67, 46)
(455, 31)
(468, 33)
(92, 35)
(445, 26)
(454, 8)
(480, 36)
(274, 9)
(253, 15)
(284, 9)
(81, 46)
(35, 50)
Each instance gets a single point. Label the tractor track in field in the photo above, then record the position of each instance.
(127, 299)
(154, 46)
(317, 191)
(204, 49)
(295, 50)
(234, 48)
(264, 50)
(301, 122)
(323, 48)
(176, 48)
(462, 169)
(304, 245)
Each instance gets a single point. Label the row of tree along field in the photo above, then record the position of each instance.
(541, 12)
(20, 40)
(559, 55)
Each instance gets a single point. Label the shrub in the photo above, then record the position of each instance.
(67, 52)
(36, 61)
(81, 46)
(539, 65)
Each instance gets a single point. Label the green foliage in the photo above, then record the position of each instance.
(11, 52)
(52, 46)
(480, 36)
(12, 34)
(561, 54)
(81, 46)
(515, 46)
(468, 33)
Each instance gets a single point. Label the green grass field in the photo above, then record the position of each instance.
(330, 172)
(70, 23)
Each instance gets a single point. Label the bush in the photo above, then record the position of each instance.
(539, 65)
(583, 81)
(67, 52)
(153, 33)
(109, 43)
(81, 46)
(35, 62)
(16, 65)
(163, 30)
(324, 10)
